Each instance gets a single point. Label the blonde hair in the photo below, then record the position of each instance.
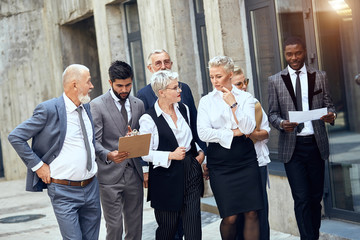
(222, 61)
(238, 70)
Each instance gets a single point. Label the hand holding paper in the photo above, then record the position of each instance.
(303, 116)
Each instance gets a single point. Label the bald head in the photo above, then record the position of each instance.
(73, 72)
(77, 83)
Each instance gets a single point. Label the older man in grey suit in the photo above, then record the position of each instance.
(302, 147)
(120, 178)
(62, 158)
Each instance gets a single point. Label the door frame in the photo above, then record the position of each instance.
(312, 58)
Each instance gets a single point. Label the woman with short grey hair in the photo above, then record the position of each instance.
(175, 176)
(162, 79)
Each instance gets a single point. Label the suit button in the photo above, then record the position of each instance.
(54, 156)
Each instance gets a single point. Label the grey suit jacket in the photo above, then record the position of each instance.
(109, 126)
(282, 100)
(47, 128)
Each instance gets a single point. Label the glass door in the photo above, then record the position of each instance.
(337, 38)
(331, 31)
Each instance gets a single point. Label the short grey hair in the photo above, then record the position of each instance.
(222, 61)
(157, 51)
(73, 71)
(161, 79)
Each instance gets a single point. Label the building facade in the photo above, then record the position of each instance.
(38, 39)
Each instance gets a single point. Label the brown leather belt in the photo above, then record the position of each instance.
(72, 183)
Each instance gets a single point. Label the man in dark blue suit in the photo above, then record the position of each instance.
(62, 155)
(160, 60)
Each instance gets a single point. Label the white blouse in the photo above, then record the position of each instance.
(215, 119)
(262, 151)
(182, 134)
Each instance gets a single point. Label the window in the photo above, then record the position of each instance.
(135, 45)
(202, 45)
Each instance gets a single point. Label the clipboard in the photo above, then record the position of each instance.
(136, 146)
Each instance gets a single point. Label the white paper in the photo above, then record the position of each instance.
(303, 116)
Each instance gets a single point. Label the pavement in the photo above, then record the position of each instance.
(16, 204)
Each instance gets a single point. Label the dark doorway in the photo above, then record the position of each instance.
(1, 162)
(79, 46)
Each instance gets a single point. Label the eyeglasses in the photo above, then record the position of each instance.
(176, 88)
(241, 84)
(166, 62)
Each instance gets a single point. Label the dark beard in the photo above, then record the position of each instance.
(118, 95)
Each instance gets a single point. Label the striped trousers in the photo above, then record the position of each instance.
(190, 213)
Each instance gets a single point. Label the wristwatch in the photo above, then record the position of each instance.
(234, 105)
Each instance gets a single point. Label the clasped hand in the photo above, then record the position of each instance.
(178, 154)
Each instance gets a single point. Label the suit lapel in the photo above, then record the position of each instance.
(61, 110)
(286, 78)
(311, 86)
(115, 113)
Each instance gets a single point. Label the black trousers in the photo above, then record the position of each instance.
(305, 173)
(191, 217)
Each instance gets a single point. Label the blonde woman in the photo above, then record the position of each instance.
(225, 116)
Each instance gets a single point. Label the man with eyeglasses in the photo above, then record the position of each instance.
(160, 60)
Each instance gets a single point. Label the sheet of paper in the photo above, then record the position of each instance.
(303, 116)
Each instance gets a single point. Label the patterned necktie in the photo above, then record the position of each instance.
(123, 110)
(298, 99)
(86, 139)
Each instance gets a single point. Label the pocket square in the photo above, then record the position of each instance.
(318, 91)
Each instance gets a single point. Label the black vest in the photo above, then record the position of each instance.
(166, 185)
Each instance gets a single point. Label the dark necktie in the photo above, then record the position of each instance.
(123, 110)
(86, 140)
(298, 99)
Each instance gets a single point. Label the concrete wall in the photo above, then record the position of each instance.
(281, 206)
(167, 25)
(27, 70)
(31, 62)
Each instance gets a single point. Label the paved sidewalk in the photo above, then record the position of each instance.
(15, 201)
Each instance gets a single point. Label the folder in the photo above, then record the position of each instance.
(136, 146)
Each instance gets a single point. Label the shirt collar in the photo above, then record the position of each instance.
(159, 111)
(292, 71)
(69, 105)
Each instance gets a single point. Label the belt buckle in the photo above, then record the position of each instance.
(82, 183)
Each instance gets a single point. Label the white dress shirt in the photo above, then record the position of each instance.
(262, 151)
(308, 128)
(215, 119)
(182, 134)
(118, 105)
(72, 159)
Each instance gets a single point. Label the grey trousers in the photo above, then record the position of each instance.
(77, 210)
(122, 204)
